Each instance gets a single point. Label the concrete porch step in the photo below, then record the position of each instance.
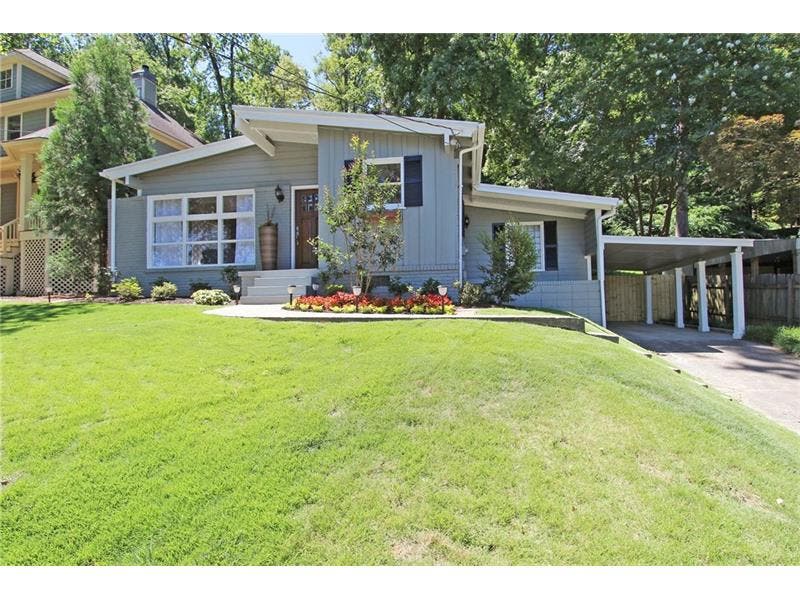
(264, 299)
(283, 280)
(279, 273)
(274, 290)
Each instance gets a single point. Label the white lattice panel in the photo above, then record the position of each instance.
(34, 256)
(64, 286)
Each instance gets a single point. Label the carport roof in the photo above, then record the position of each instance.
(656, 254)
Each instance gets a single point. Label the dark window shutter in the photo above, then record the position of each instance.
(550, 246)
(412, 180)
(348, 164)
(497, 228)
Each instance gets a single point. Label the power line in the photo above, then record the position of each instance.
(304, 84)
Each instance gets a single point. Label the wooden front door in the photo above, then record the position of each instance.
(306, 227)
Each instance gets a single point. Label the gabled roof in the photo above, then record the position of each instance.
(164, 123)
(37, 59)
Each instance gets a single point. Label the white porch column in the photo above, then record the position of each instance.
(588, 258)
(679, 298)
(112, 228)
(25, 187)
(737, 281)
(648, 299)
(601, 262)
(702, 297)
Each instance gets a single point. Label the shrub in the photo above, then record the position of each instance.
(398, 287)
(418, 309)
(367, 309)
(429, 286)
(128, 289)
(317, 308)
(333, 288)
(788, 339)
(349, 308)
(164, 291)
(195, 286)
(210, 297)
(161, 281)
(471, 294)
(105, 281)
(398, 309)
(512, 258)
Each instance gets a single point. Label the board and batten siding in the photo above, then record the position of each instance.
(571, 261)
(247, 168)
(430, 231)
(35, 83)
(162, 148)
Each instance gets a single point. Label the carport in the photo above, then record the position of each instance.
(652, 255)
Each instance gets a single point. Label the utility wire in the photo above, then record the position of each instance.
(304, 84)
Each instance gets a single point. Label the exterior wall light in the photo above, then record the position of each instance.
(315, 287)
(279, 193)
(291, 289)
(443, 293)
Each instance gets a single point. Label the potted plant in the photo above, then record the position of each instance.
(268, 242)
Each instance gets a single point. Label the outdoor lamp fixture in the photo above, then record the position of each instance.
(279, 193)
(466, 221)
(443, 293)
(49, 291)
(315, 287)
(236, 292)
(291, 289)
(357, 292)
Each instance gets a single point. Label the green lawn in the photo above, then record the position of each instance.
(533, 312)
(150, 434)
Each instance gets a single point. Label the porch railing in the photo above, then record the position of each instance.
(9, 235)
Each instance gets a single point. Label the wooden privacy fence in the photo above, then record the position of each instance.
(625, 297)
(768, 298)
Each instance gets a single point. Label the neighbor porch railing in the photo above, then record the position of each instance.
(9, 235)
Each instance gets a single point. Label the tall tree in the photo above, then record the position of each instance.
(57, 47)
(349, 77)
(102, 124)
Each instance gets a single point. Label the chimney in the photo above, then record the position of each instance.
(145, 83)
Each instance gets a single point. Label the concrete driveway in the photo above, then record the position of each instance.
(760, 376)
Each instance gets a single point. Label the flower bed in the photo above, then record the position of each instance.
(342, 302)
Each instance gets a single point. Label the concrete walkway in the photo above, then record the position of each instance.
(758, 375)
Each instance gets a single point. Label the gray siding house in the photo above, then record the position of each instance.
(189, 214)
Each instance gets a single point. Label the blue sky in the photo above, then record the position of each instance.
(302, 46)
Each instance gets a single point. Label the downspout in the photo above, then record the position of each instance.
(599, 217)
(461, 154)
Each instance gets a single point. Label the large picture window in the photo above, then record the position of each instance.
(190, 230)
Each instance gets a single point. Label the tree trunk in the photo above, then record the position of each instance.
(212, 59)
(682, 189)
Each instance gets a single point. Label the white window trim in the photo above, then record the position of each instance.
(391, 160)
(10, 78)
(21, 126)
(540, 249)
(184, 219)
(50, 110)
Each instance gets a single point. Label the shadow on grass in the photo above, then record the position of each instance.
(15, 317)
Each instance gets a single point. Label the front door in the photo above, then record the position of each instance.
(306, 227)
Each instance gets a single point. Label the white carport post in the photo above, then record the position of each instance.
(737, 275)
(702, 297)
(648, 299)
(679, 298)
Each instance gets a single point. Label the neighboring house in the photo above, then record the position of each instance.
(199, 210)
(30, 87)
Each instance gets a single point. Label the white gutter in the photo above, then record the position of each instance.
(461, 203)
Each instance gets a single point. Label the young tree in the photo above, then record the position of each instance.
(512, 258)
(372, 237)
(101, 125)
